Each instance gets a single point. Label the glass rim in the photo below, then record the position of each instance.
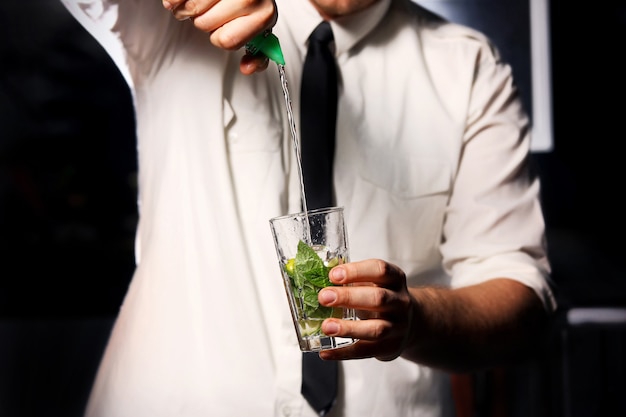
(308, 212)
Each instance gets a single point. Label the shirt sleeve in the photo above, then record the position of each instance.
(494, 225)
(98, 17)
(120, 27)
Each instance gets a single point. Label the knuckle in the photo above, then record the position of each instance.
(184, 9)
(265, 10)
(380, 296)
(191, 6)
(345, 297)
(225, 40)
(380, 330)
(382, 267)
(172, 3)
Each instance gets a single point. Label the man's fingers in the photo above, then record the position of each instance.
(375, 271)
(186, 9)
(377, 338)
(360, 350)
(230, 23)
(372, 329)
(253, 63)
(363, 297)
(231, 35)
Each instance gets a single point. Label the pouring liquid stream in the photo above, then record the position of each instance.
(268, 44)
(296, 147)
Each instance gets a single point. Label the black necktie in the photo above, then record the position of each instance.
(318, 112)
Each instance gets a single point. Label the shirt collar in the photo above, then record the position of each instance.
(348, 30)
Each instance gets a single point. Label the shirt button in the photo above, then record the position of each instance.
(233, 137)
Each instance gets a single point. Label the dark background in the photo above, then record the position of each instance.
(68, 213)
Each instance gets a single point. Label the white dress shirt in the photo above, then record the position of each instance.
(430, 167)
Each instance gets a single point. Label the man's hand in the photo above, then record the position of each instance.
(380, 295)
(231, 24)
(495, 323)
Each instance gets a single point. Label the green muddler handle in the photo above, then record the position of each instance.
(266, 43)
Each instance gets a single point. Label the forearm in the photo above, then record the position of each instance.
(497, 322)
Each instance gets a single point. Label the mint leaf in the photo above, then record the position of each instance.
(321, 312)
(310, 267)
(308, 277)
(306, 259)
(309, 298)
(318, 277)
